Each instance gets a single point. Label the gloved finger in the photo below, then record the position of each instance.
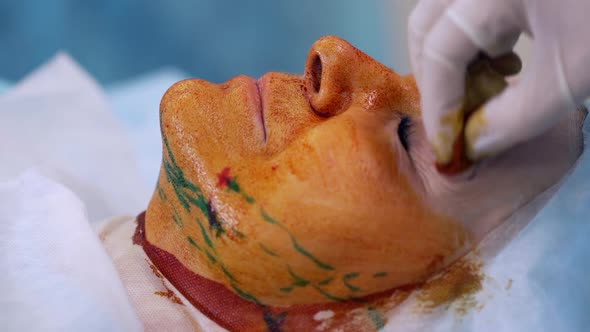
(522, 111)
(451, 44)
(447, 52)
(494, 26)
(421, 20)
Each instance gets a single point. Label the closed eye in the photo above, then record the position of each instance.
(403, 131)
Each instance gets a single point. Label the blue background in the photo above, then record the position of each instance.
(214, 40)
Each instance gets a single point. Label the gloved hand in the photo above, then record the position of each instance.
(446, 35)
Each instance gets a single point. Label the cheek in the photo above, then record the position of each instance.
(345, 163)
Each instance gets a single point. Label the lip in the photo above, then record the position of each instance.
(259, 85)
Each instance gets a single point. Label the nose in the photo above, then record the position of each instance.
(338, 75)
(328, 75)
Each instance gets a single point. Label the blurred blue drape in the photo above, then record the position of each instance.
(211, 39)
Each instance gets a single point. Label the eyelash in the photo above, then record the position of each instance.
(403, 131)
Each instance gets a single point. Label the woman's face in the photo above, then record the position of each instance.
(299, 189)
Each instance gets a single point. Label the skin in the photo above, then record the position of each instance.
(297, 189)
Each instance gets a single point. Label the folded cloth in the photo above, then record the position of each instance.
(59, 120)
(55, 276)
(159, 305)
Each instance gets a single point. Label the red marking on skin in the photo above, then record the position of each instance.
(223, 178)
(274, 167)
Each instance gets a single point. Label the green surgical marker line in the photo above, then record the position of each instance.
(286, 289)
(268, 251)
(161, 193)
(376, 318)
(175, 171)
(351, 287)
(245, 295)
(190, 186)
(170, 155)
(179, 182)
(268, 218)
(171, 172)
(325, 281)
(205, 235)
(227, 273)
(328, 295)
(194, 244)
(349, 276)
(380, 275)
(211, 257)
(182, 199)
(179, 193)
(307, 254)
(177, 220)
(248, 198)
(201, 203)
(298, 247)
(299, 281)
(176, 215)
(233, 185)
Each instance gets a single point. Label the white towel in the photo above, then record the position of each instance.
(56, 275)
(59, 120)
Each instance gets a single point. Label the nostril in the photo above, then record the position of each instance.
(329, 72)
(316, 73)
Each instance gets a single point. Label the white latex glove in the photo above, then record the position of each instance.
(445, 35)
